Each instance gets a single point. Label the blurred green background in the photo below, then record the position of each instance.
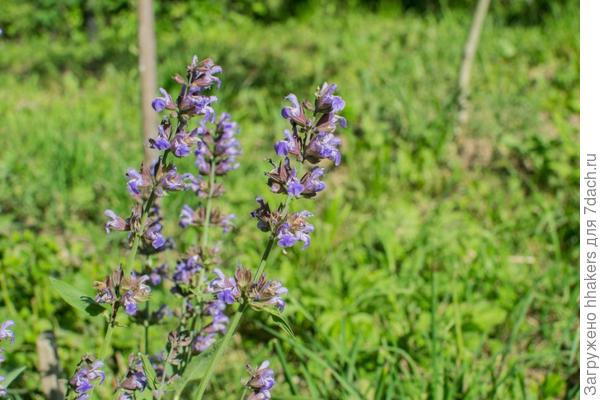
(442, 265)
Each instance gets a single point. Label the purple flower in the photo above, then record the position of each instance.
(289, 145)
(327, 102)
(324, 145)
(158, 274)
(295, 113)
(86, 375)
(311, 182)
(186, 269)
(115, 223)
(181, 144)
(136, 181)
(267, 293)
(224, 287)
(160, 103)
(136, 291)
(154, 235)
(262, 380)
(203, 341)
(226, 222)
(295, 229)
(294, 187)
(186, 217)
(3, 391)
(161, 142)
(172, 181)
(6, 333)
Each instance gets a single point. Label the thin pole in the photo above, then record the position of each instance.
(147, 66)
(466, 65)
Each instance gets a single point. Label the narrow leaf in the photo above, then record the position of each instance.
(76, 298)
(149, 371)
(12, 375)
(280, 320)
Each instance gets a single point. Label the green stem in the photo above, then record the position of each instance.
(107, 340)
(434, 350)
(235, 321)
(147, 329)
(208, 208)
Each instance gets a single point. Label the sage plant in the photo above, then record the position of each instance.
(5, 333)
(210, 303)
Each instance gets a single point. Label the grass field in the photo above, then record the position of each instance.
(442, 265)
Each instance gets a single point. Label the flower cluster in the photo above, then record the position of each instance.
(148, 183)
(123, 291)
(88, 373)
(242, 288)
(135, 380)
(191, 217)
(262, 380)
(307, 145)
(5, 333)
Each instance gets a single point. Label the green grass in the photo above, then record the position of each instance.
(442, 266)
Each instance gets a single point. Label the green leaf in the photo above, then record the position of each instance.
(149, 371)
(77, 299)
(12, 375)
(279, 319)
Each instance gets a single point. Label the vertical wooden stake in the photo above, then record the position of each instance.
(47, 365)
(147, 66)
(464, 75)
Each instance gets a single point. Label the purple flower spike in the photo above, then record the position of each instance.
(262, 380)
(6, 333)
(86, 375)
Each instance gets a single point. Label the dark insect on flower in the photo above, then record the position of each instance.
(162, 140)
(266, 219)
(88, 374)
(295, 229)
(262, 380)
